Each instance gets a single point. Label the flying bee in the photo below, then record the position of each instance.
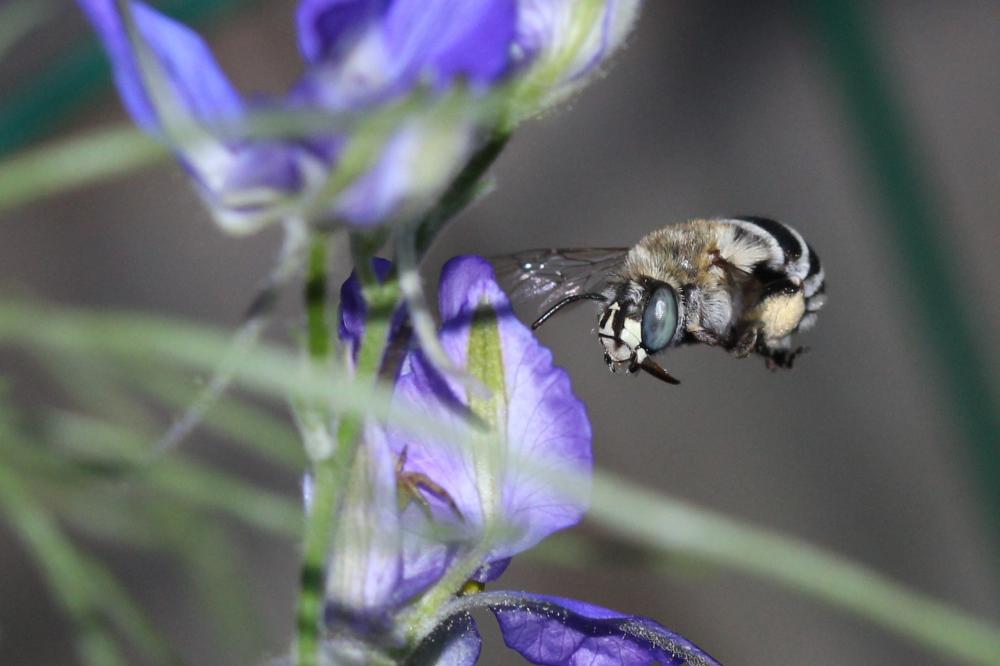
(745, 284)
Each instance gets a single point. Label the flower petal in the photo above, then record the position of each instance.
(413, 168)
(196, 81)
(456, 642)
(546, 37)
(438, 40)
(328, 27)
(353, 309)
(551, 631)
(366, 555)
(241, 182)
(403, 40)
(503, 492)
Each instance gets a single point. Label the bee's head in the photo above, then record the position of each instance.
(641, 318)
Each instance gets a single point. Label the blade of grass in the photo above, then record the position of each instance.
(64, 569)
(95, 156)
(216, 570)
(129, 618)
(110, 152)
(248, 426)
(660, 522)
(911, 216)
(665, 523)
(55, 94)
(93, 385)
(194, 483)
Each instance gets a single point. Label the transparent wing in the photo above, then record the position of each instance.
(545, 276)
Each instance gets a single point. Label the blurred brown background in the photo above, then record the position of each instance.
(714, 108)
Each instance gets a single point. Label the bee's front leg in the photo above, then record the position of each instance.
(704, 336)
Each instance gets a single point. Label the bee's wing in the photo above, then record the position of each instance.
(545, 276)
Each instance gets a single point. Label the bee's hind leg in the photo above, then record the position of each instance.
(781, 354)
(747, 343)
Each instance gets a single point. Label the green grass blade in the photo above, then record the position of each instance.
(251, 427)
(677, 527)
(129, 618)
(64, 569)
(58, 92)
(96, 156)
(667, 524)
(912, 219)
(193, 483)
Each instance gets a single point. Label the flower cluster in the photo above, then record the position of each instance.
(475, 66)
(411, 526)
(394, 574)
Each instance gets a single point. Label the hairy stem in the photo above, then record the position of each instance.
(329, 471)
(315, 295)
(319, 518)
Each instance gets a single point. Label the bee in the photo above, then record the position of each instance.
(745, 284)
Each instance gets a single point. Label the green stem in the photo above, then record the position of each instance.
(380, 300)
(460, 193)
(329, 473)
(318, 532)
(911, 219)
(319, 519)
(315, 295)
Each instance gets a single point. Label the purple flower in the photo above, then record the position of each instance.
(466, 510)
(360, 55)
(354, 310)
(566, 42)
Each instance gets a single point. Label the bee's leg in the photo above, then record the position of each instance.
(747, 343)
(778, 353)
(704, 336)
(771, 322)
(413, 485)
(718, 260)
(782, 358)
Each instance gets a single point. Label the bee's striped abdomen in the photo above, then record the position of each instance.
(814, 288)
(789, 256)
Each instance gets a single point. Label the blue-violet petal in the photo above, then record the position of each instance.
(504, 494)
(550, 631)
(198, 85)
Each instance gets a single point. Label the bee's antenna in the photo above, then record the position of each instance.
(563, 303)
(655, 369)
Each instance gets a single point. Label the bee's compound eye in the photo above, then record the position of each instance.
(659, 319)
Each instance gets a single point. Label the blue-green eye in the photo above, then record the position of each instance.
(659, 319)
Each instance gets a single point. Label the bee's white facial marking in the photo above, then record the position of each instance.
(616, 352)
(632, 333)
(619, 334)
